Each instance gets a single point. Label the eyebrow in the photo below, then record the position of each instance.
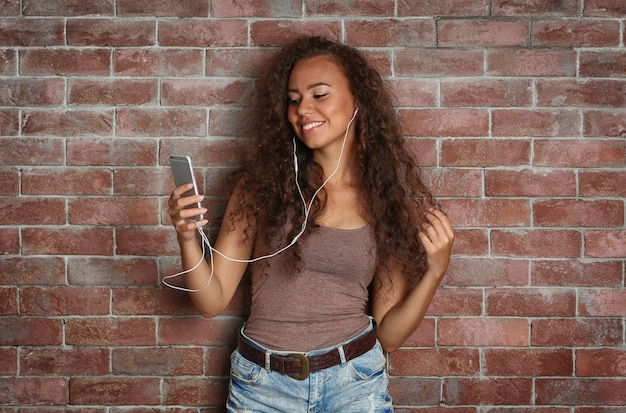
(311, 86)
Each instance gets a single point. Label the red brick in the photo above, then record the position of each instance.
(117, 32)
(531, 62)
(482, 32)
(118, 92)
(278, 32)
(424, 151)
(112, 152)
(532, 8)
(146, 241)
(577, 273)
(32, 92)
(415, 390)
(32, 32)
(578, 213)
(413, 92)
(530, 302)
(489, 391)
(602, 303)
(10, 8)
(390, 32)
(162, 63)
(214, 151)
(9, 121)
(530, 183)
(602, 183)
(66, 181)
(535, 123)
(459, 301)
(114, 211)
(170, 8)
(228, 122)
(542, 243)
(603, 93)
(68, 8)
(114, 391)
(10, 181)
(380, 60)
(605, 124)
(9, 241)
(603, 64)
(203, 33)
(603, 362)
(64, 301)
(29, 331)
(33, 391)
(67, 241)
(371, 8)
(205, 92)
(8, 362)
(580, 332)
(41, 211)
(256, 9)
(67, 123)
(424, 336)
(8, 64)
(117, 271)
(444, 122)
(31, 270)
(236, 62)
(578, 392)
(439, 62)
(31, 151)
(443, 8)
(604, 8)
(489, 212)
(484, 152)
(487, 92)
(64, 362)
(605, 243)
(8, 302)
(580, 153)
(492, 331)
(94, 62)
(152, 302)
(147, 181)
(434, 362)
(487, 271)
(160, 122)
(110, 331)
(195, 391)
(470, 242)
(575, 33)
(218, 361)
(165, 361)
(454, 182)
(199, 331)
(528, 362)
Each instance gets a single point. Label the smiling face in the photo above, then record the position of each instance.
(320, 102)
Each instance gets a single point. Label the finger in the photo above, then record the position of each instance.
(441, 221)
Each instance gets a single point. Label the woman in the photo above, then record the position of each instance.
(347, 245)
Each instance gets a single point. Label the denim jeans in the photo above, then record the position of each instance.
(357, 386)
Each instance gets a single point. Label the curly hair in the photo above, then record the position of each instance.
(393, 196)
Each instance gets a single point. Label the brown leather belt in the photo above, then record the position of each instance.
(298, 365)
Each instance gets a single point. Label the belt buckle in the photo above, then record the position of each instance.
(305, 369)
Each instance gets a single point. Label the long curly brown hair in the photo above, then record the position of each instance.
(394, 198)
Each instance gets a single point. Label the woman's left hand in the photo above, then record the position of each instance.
(437, 237)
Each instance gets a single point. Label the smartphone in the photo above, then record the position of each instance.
(183, 174)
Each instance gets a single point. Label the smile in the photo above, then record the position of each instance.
(311, 125)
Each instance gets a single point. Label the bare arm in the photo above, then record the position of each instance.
(399, 309)
(227, 274)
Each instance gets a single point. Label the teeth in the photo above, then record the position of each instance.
(311, 125)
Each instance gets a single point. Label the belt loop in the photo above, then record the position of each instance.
(268, 354)
(342, 355)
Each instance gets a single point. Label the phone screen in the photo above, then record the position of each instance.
(183, 174)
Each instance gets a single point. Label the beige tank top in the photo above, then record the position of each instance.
(323, 305)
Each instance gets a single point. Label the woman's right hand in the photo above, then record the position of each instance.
(181, 215)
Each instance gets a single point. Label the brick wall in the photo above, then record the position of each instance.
(515, 109)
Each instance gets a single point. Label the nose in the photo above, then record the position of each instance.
(304, 107)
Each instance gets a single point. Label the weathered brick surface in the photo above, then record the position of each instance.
(515, 110)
